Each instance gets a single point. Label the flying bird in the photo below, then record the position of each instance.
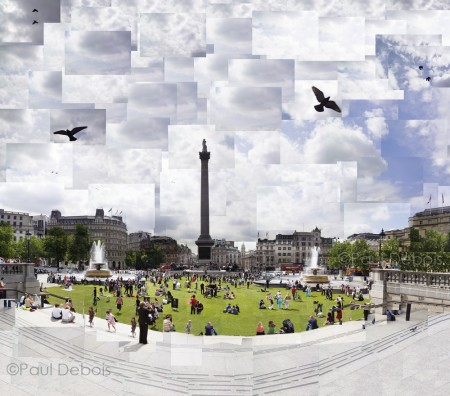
(70, 134)
(420, 67)
(428, 79)
(34, 22)
(413, 329)
(324, 102)
(35, 10)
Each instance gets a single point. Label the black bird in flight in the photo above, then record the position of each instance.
(35, 10)
(324, 102)
(70, 134)
(413, 329)
(428, 79)
(34, 22)
(420, 67)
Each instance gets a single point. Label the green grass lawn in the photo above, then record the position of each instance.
(226, 324)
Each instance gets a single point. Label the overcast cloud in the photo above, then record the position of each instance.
(152, 79)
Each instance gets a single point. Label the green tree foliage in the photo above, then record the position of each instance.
(447, 243)
(56, 244)
(36, 249)
(339, 256)
(415, 239)
(390, 251)
(79, 245)
(6, 240)
(345, 255)
(130, 259)
(433, 241)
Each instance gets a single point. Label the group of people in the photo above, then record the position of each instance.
(66, 315)
(278, 298)
(287, 327)
(235, 310)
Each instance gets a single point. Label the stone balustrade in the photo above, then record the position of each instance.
(19, 276)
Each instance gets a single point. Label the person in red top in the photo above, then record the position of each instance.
(193, 301)
(293, 292)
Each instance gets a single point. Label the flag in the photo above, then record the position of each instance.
(120, 213)
(442, 198)
(258, 234)
(267, 234)
(110, 210)
(429, 200)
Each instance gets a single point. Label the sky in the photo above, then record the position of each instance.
(152, 79)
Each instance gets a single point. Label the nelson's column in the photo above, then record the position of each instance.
(204, 241)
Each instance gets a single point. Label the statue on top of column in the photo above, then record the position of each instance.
(205, 149)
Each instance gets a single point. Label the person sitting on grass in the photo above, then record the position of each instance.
(262, 305)
(260, 329)
(226, 296)
(227, 308)
(234, 310)
(231, 296)
(270, 304)
(330, 318)
(271, 327)
(238, 309)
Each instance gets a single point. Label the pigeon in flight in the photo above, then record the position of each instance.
(35, 10)
(420, 67)
(70, 134)
(414, 328)
(428, 79)
(34, 22)
(324, 102)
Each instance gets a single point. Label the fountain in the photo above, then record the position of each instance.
(98, 265)
(311, 272)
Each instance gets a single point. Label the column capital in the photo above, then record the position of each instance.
(204, 155)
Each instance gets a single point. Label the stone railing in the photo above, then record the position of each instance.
(13, 268)
(431, 279)
(18, 276)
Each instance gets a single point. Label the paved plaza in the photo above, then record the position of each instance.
(38, 356)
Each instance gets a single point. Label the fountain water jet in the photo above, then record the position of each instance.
(98, 265)
(311, 273)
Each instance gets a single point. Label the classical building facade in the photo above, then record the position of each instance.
(292, 248)
(437, 219)
(224, 253)
(20, 222)
(110, 229)
(40, 225)
(135, 240)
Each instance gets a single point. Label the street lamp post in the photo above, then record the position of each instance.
(28, 234)
(382, 235)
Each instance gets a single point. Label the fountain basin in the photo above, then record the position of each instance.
(98, 273)
(311, 278)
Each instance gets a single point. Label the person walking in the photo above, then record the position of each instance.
(188, 327)
(91, 316)
(133, 327)
(111, 320)
(95, 296)
(287, 300)
(119, 302)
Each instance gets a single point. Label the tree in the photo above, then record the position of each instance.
(362, 255)
(130, 259)
(36, 249)
(415, 239)
(156, 256)
(390, 251)
(6, 240)
(79, 245)
(56, 244)
(339, 256)
(447, 243)
(433, 241)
